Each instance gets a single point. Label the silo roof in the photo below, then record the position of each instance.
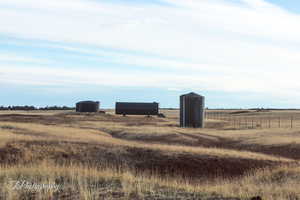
(88, 102)
(192, 94)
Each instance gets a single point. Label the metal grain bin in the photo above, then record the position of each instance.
(77, 107)
(192, 110)
(87, 106)
(127, 108)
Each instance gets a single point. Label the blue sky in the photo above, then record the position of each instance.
(290, 5)
(237, 53)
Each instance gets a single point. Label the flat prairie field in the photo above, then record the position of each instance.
(240, 154)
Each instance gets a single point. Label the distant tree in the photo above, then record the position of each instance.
(28, 108)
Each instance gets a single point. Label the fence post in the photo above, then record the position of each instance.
(269, 122)
(279, 123)
(292, 121)
(261, 123)
(252, 124)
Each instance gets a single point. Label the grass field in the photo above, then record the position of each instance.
(104, 156)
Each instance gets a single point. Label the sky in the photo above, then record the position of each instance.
(236, 53)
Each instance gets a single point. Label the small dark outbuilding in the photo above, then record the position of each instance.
(135, 108)
(192, 110)
(87, 106)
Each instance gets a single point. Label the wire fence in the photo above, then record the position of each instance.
(256, 121)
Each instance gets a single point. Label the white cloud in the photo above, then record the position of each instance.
(47, 76)
(250, 46)
(7, 57)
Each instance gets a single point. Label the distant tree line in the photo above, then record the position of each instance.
(35, 108)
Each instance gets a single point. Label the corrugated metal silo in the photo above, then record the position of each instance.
(192, 110)
(87, 106)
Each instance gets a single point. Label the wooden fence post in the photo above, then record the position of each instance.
(261, 123)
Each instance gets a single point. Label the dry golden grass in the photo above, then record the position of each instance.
(113, 157)
(62, 133)
(272, 184)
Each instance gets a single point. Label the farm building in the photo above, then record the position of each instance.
(131, 108)
(192, 110)
(87, 106)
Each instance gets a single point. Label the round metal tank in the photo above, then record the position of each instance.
(192, 110)
(87, 106)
